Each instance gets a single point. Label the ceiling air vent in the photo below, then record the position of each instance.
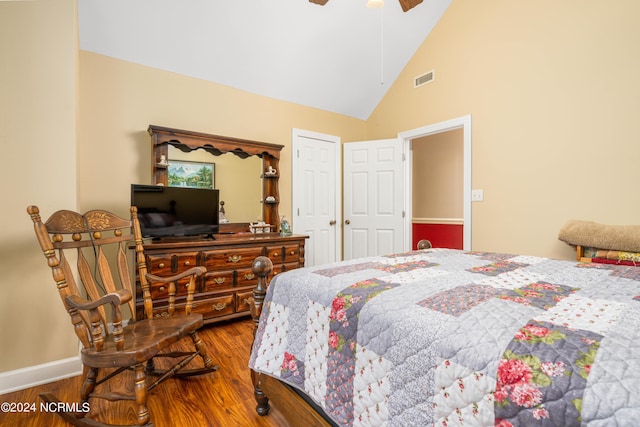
(424, 79)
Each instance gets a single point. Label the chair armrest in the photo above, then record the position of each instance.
(117, 298)
(197, 271)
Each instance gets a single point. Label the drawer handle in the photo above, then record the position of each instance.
(219, 280)
(162, 289)
(276, 254)
(187, 263)
(220, 306)
(161, 265)
(235, 258)
(249, 276)
(292, 253)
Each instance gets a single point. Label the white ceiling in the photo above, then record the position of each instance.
(341, 57)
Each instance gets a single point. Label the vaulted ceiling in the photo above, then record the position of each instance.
(340, 57)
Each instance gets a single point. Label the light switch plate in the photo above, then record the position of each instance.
(477, 195)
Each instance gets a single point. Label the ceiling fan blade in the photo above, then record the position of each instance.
(405, 4)
(409, 4)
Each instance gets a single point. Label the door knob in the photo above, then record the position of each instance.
(332, 222)
(347, 222)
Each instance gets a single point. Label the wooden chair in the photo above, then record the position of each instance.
(102, 295)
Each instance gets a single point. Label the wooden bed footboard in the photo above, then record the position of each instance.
(292, 406)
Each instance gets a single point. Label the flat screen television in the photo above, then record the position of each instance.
(176, 211)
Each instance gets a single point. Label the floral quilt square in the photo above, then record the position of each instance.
(463, 396)
(511, 279)
(459, 300)
(540, 294)
(335, 271)
(407, 266)
(292, 370)
(497, 268)
(543, 363)
(578, 312)
(628, 272)
(490, 256)
(412, 276)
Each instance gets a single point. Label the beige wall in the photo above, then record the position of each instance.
(553, 92)
(38, 139)
(438, 176)
(119, 100)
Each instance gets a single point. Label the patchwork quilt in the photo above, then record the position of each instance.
(451, 338)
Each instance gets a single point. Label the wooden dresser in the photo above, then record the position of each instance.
(223, 292)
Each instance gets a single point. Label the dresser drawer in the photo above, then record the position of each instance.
(242, 301)
(215, 307)
(165, 265)
(231, 258)
(291, 253)
(161, 308)
(280, 254)
(223, 292)
(281, 268)
(218, 280)
(168, 264)
(245, 277)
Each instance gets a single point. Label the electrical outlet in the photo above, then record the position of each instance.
(477, 195)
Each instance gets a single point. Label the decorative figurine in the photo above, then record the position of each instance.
(285, 228)
(271, 171)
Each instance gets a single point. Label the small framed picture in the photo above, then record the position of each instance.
(191, 174)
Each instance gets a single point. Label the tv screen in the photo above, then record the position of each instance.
(175, 211)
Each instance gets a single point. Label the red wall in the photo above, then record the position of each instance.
(440, 235)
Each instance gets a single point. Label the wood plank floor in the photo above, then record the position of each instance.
(221, 399)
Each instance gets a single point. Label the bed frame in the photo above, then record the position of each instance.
(289, 402)
(265, 388)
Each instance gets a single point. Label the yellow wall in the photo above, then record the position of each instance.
(553, 91)
(119, 100)
(38, 109)
(438, 176)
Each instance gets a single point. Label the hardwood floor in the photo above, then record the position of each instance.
(223, 398)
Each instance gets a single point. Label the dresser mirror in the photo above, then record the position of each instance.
(237, 179)
(248, 193)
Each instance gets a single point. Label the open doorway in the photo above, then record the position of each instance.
(416, 135)
(437, 189)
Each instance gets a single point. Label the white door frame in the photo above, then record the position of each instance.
(296, 186)
(463, 122)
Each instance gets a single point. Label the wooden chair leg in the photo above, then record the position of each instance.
(89, 384)
(140, 378)
(151, 366)
(202, 349)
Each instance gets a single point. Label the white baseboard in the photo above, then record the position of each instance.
(31, 376)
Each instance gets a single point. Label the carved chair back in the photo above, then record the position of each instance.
(98, 242)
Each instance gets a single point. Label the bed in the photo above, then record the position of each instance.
(449, 338)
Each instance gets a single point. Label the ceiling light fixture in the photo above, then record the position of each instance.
(374, 4)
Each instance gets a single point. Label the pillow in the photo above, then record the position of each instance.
(601, 236)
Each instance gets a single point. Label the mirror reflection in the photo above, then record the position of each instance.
(237, 179)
